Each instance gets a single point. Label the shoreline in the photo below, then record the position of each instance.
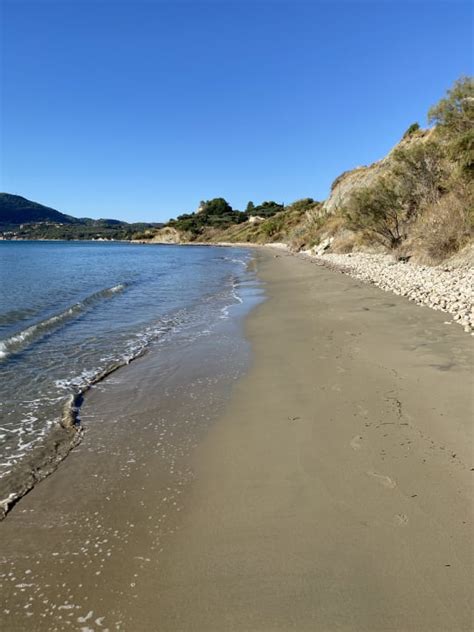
(331, 492)
(372, 268)
(43, 457)
(418, 283)
(334, 494)
(145, 419)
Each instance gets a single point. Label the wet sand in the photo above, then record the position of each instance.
(332, 492)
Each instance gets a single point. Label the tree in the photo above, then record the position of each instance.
(420, 172)
(216, 206)
(455, 113)
(250, 207)
(454, 120)
(267, 209)
(303, 205)
(379, 211)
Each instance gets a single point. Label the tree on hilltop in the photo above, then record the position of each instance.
(216, 206)
(454, 120)
(250, 208)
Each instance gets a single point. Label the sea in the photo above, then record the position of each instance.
(72, 312)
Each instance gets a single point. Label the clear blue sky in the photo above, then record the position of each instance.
(138, 110)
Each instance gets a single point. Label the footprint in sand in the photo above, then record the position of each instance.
(401, 519)
(362, 411)
(355, 442)
(386, 481)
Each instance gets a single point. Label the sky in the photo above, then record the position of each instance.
(137, 110)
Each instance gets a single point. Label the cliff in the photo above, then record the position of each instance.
(165, 235)
(365, 176)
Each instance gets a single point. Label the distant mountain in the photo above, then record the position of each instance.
(15, 209)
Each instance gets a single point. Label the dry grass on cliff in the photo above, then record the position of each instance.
(443, 229)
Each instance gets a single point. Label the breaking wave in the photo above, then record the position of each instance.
(31, 334)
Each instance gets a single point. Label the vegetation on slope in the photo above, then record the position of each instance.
(216, 216)
(423, 203)
(23, 219)
(84, 229)
(418, 201)
(15, 209)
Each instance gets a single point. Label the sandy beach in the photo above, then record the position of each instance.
(326, 488)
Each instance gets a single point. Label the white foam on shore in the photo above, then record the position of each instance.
(29, 422)
(237, 299)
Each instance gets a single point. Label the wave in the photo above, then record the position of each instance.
(51, 445)
(31, 334)
(14, 315)
(242, 261)
(233, 294)
(235, 285)
(61, 436)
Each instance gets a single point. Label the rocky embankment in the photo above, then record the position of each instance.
(447, 288)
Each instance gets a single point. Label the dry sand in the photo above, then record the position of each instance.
(334, 492)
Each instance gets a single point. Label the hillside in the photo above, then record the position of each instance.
(15, 210)
(417, 202)
(23, 219)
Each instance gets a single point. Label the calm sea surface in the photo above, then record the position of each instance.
(69, 311)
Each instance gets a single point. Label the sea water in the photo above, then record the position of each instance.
(70, 311)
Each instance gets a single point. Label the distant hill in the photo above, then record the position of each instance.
(15, 209)
(23, 219)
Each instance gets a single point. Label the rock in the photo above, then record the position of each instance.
(323, 246)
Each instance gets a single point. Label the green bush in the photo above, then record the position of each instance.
(303, 205)
(420, 171)
(454, 114)
(267, 209)
(378, 211)
(273, 226)
(454, 120)
(414, 127)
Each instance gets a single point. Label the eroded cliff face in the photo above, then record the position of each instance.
(349, 181)
(324, 227)
(166, 235)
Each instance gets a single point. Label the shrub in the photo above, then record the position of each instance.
(454, 120)
(454, 114)
(302, 206)
(414, 127)
(420, 171)
(147, 234)
(273, 226)
(444, 228)
(266, 209)
(344, 243)
(462, 149)
(377, 210)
